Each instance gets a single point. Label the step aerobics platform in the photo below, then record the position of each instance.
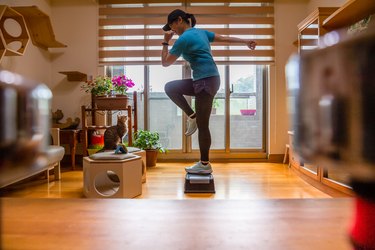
(199, 183)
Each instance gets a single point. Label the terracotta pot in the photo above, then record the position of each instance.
(111, 102)
(151, 157)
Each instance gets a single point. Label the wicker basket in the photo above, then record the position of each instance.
(111, 102)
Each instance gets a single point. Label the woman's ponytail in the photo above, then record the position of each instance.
(192, 18)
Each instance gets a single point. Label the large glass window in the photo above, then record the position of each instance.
(237, 119)
(246, 109)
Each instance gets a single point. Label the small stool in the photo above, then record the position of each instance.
(120, 178)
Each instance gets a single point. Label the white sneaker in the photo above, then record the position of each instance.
(191, 126)
(199, 168)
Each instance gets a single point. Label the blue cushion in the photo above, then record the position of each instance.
(110, 155)
(133, 149)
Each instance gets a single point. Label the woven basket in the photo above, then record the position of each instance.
(111, 102)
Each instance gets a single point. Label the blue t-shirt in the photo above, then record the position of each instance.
(194, 46)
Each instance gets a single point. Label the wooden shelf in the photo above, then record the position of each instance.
(351, 12)
(74, 76)
(40, 27)
(2, 48)
(12, 44)
(320, 12)
(312, 26)
(86, 128)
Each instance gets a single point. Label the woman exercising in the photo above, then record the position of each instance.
(194, 46)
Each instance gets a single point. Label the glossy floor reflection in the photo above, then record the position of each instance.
(166, 181)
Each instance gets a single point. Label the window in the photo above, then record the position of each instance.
(164, 116)
(246, 107)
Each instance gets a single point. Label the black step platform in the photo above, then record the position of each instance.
(198, 183)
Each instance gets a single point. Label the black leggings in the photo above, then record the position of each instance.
(204, 91)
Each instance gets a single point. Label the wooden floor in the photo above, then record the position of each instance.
(274, 224)
(166, 181)
(256, 206)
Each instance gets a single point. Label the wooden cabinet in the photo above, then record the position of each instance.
(351, 12)
(333, 181)
(311, 28)
(325, 19)
(310, 31)
(306, 168)
(294, 160)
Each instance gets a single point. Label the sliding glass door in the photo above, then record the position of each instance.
(163, 115)
(237, 118)
(237, 121)
(246, 107)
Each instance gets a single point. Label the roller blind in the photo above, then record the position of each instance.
(130, 31)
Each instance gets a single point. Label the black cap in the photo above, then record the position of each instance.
(172, 17)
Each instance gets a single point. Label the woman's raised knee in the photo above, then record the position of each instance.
(170, 87)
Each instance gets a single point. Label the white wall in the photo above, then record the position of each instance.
(288, 13)
(75, 22)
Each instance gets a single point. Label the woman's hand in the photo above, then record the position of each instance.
(168, 36)
(251, 44)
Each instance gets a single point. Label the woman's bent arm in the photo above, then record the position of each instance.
(249, 43)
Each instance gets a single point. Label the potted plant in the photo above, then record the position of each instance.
(104, 90)
(150, 142)
(100, 86)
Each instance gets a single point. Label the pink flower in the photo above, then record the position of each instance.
(130, 83)
(122, 83)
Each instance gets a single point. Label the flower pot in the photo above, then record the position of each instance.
(151, 157)
(248, 111)
(111, 102)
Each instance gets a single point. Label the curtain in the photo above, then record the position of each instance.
(130, 31)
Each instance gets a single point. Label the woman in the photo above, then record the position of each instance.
(194, 46)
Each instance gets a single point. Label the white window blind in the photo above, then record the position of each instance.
(130, 31)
